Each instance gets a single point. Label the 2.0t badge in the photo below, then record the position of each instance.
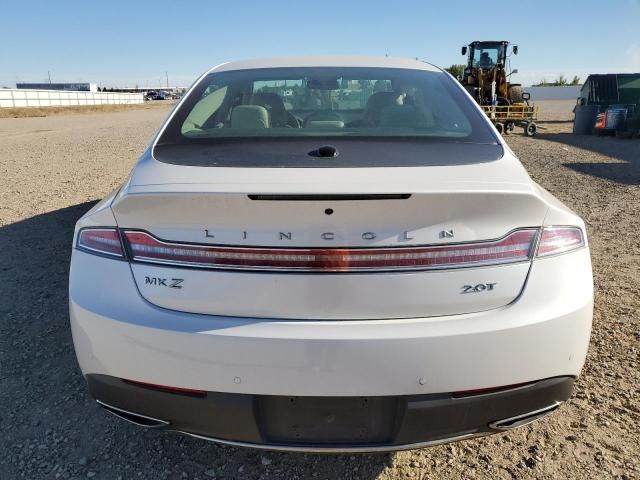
(480, 287)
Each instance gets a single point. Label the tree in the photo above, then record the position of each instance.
(561, 81)
(456, 70)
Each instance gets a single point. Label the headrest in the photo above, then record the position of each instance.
(377, 102)
(249, 116)
(274, 105)
(401, 116)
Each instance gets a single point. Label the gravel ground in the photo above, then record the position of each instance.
(53, 169)
(23, 112)
(555, 111)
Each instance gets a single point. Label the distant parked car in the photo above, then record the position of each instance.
(378, 276)
(162, 95)
(151, 95)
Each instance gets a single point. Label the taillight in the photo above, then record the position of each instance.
(556, 240)
(485, 391)
(104, 241)
(515, 247)
(166, 388)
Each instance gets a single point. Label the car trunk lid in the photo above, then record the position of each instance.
(341, 213)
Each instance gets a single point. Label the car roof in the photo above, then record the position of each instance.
(326, 61)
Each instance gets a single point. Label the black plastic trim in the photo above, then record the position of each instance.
(418, 419)
(356, 152)
(330, 198)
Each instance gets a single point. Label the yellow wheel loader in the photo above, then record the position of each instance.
(486, 78)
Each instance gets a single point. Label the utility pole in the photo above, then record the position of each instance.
(167, 75)
(49, 73)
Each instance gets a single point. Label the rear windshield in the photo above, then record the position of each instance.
(290, 103)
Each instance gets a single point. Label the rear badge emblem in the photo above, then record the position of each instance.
(164, 282)
(481, 287)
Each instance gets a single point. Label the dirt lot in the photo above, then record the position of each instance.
(53, 169)
(53, 111)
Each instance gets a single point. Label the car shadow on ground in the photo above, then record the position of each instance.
(48, 422)
(627, 151)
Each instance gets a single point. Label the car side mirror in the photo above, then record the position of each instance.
(515, 49)
(464, 50)
(514, 71)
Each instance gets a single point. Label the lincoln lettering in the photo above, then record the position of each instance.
(287, 236)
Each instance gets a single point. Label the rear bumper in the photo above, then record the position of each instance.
(331, 424)
(544, 334)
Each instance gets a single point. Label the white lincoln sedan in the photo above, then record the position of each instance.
(330, 254)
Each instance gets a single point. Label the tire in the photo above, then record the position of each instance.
(601, 132)
(530, 129)
(500, 128)
(624, 134)
(508, 127)
(515, 94)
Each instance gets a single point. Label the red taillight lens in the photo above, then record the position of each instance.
(101, 240)
(166, 388)
(515, 247)
(559, 240)
(485, 391)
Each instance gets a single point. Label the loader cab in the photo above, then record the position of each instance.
(487, 72)
(486, 55)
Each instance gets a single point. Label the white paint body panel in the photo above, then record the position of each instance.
(333, 296)
(545, 333)
(211, 206)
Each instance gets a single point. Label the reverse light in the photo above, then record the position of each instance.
(556, 240)
(514, 247)
(104, 241)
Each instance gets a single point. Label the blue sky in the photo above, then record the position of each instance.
(118, 43)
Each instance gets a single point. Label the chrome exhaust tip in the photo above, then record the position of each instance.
(522, 420)
(132, 417)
